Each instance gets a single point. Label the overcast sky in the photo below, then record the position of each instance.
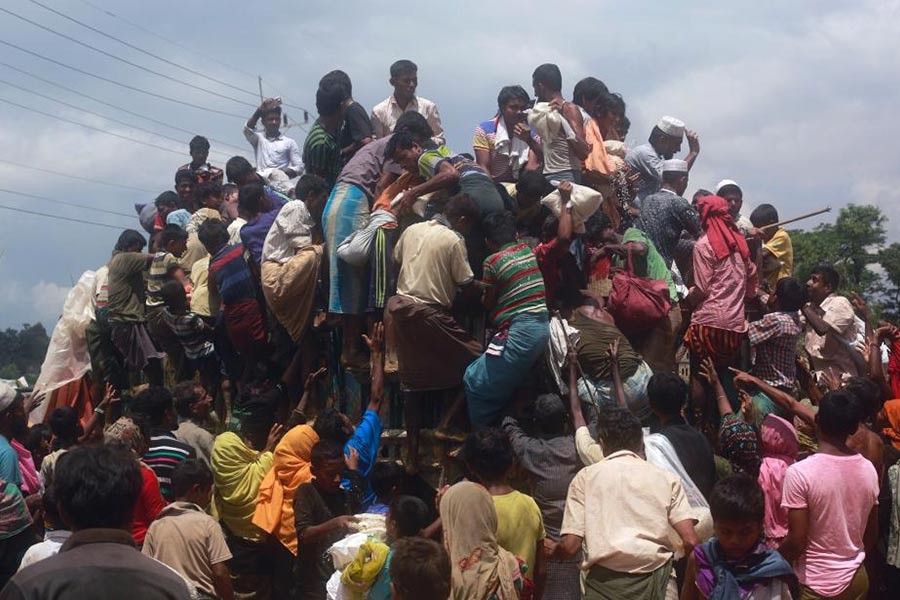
(791, 99)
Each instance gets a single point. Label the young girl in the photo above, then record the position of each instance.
(735, 563)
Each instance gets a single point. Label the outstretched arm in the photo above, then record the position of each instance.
(618, 388)
(376, 350)
(783, 399)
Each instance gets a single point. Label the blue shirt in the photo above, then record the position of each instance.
(381, 589)
(365, 441)
(9, 463)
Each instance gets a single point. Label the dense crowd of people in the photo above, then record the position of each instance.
(630, 393)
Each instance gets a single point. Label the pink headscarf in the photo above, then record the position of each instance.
(779, 449)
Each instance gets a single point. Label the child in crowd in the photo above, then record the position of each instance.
(488, 456)
(406, 518)
(55, 533)
(66, 429)
(420, 569)
(386, 480)
(778, 251)
(165, 267)
(232, 281)
(187, 539)
(323, 512)
(773, 341)
(736, 564)
(193, 404)
(194, 335)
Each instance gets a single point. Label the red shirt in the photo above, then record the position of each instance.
(149, 504)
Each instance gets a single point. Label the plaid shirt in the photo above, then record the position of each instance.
(773, 340)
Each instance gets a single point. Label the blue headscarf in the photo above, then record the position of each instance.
(730, 577)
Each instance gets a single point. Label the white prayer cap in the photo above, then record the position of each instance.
(675, 165)
(671, 126)
(7, 396)
(726, 183)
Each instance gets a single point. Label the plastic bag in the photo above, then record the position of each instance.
(344, 550)
(585, 202)
(67, 357)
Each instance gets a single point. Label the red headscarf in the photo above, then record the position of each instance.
(719, 225)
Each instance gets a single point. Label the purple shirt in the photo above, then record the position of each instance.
(253, 234)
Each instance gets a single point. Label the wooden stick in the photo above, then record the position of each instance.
(800, 218)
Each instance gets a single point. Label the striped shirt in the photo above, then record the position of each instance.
(322, 155)
(192, 333)
(165, 453)
(520, 287)
(160, 272)
(232, 275)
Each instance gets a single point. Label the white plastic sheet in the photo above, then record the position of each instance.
(67, 357)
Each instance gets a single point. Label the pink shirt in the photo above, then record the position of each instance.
(839, 493)
(723, 283)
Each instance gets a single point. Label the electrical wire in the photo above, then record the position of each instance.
(78, 177)
(100, 129)
(180, 45)
(115, 106)
(123, 60)
(96, 114)
(64, 202)
(166, 39)
(141, 50)
(67, 219)
(118, 83)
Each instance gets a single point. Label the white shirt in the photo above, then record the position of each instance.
(53, 541)
(386, 113)
(279, 152)
(234, 230)
(835, 349)
(291, 231)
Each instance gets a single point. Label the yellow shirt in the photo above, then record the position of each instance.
(520, 526)
(204, 301)
(782, 250)
(433, 263)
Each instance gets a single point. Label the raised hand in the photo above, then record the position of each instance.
(376, 342)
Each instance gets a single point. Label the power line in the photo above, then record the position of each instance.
(180, 45)
(141, 50)
(123, 60)
(55, 201)
(166, 39)
(100, 129)
(96, 114)
(67, 219)
(78, 177)
(124, 85)
(115, 106)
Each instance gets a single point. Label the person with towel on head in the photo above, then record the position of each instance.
(664, 142)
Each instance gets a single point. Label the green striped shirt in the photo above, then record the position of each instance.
(520, 287)
(322, 155)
